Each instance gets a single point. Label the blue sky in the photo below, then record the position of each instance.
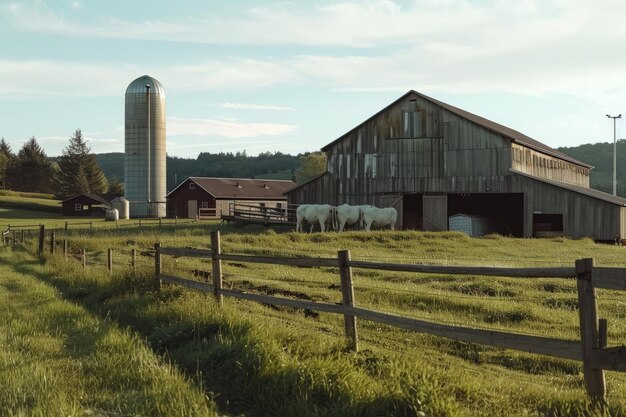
(293, 76)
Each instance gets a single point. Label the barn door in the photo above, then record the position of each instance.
(435, 212)
(192, 209)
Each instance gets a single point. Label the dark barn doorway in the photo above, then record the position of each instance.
(505, 212)
(412, 209)
(547, 225)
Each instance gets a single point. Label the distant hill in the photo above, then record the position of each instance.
(600, 156)
(227, 165)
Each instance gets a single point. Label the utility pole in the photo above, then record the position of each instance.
(614, 152)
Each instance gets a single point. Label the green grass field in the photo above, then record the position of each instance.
(263, 360)
(60, 360)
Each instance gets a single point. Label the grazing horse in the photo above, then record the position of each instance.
(311, 213)
(348, 215)
(381, 217)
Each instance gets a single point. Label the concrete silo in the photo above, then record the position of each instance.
(144, 148)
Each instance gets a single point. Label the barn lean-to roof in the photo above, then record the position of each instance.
(257, 189)
(511, 134)
(590, 192)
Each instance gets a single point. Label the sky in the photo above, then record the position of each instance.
(292, 76)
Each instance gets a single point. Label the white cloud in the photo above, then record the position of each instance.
(350, 23)
(225, 128)
(32, 79)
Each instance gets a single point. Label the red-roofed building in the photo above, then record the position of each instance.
(196, 193)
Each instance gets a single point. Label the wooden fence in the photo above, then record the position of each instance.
(62, 247)
(257, 213)
(591, 349)
(209, 214)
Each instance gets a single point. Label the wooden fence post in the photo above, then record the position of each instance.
(52, 242)
(14, 238)
(65, 227)
(602, 333)
(587, 309)
(90, 225)
(133, 258)
(22, 240)
(216, 264)
(347, 292)
(84, 258)
(42, 238)
(110, 260)
(157, 264)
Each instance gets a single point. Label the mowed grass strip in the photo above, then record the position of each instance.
(56, 359)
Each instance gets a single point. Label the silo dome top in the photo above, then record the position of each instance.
(139, 86)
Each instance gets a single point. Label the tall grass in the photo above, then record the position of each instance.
(60, 360)
(263, 360)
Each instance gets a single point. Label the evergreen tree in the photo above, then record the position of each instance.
(79, 171)
(7, 158)
(116, 188)
(32, 171)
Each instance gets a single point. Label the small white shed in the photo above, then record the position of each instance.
(469, 224)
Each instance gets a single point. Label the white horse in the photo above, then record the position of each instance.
(381, 217)
(311, 213)
(348, 215)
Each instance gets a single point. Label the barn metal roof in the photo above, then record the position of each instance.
(139, 86)
(591, 192)
(256, 189)
(507, 132)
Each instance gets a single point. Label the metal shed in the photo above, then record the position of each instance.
(469, 224)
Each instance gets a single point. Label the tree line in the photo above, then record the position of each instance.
(267, 165)
(76, 171)
(600, 156)
(79, 171)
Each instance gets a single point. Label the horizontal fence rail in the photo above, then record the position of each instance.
(470, 270)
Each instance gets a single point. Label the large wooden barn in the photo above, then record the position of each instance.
(431, 160)
(196, 193)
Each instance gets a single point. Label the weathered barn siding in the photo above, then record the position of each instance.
(450, 154)
(541, 165)
(583, 215)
